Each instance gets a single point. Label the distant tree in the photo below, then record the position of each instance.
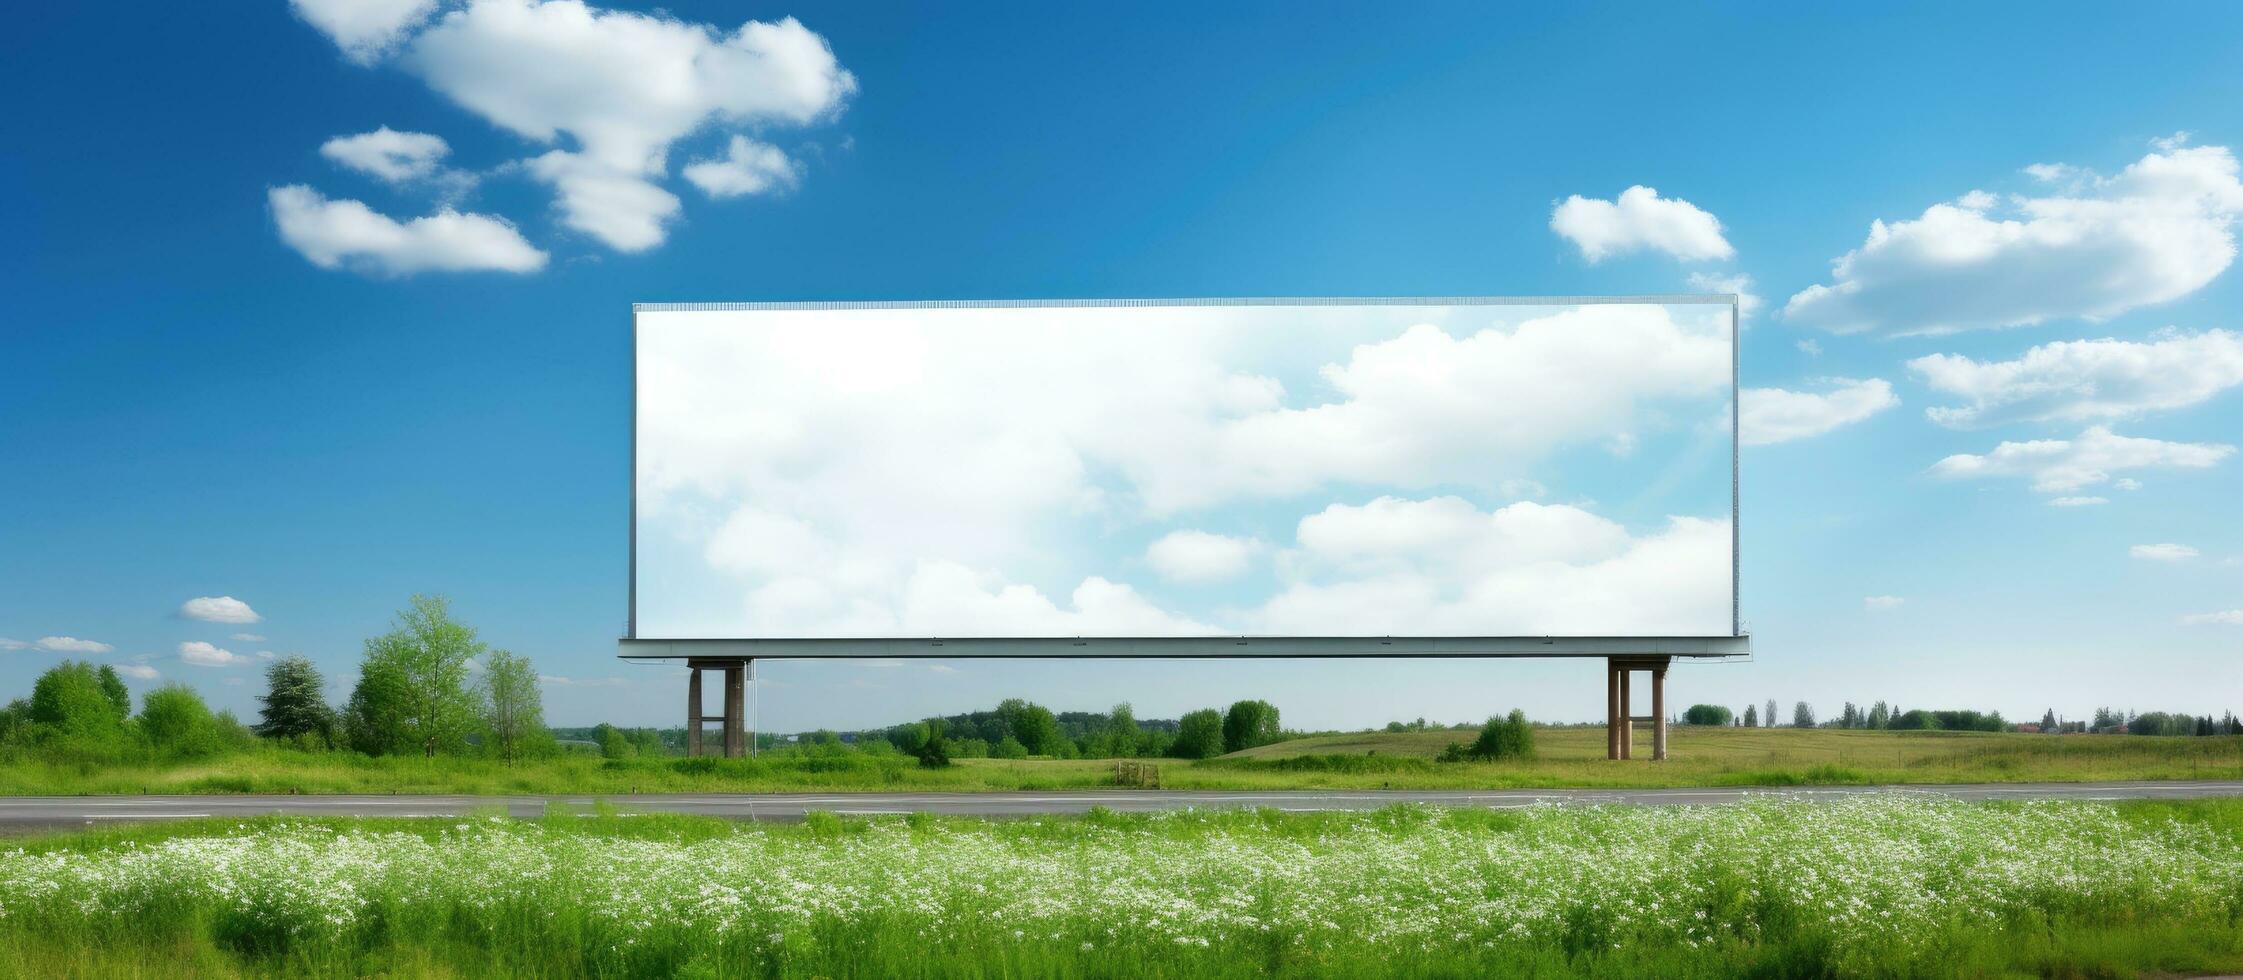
(113, 688)
(909, 739)
(1122, 733)
(1396, 727)
(614, 744)
(1008, 748)
(1768, 713)
(1248, 724)
(1880, 715)
(2048, 720)
(1504, 737)
(1850, 717)
(412, 693)
(1705, 714)
(1916, 721)
(2106, 719)
(1802, 715)
(70, 704)
(513, 707)
(1199, 735)
(177, 723)
(1752, 717)
(934, 750)
(292, 705)
(1032, 725)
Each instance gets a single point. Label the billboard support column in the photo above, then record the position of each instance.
(1659, 712)
(1627, 721)
(692, 711)
(735, 711)
(1612, 709)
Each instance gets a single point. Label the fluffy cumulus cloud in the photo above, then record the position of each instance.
(249, 637)
(138, 672)
(203, 654)
(747, 167)
(1639, 220)
(622, 88)
(2064, 465)
(2162, 552)
(8, 644)
(608, 92)
(219, 609)
(1199, 556)
(2085, 380)
(1882, 603)
(366, 30)
(388, 154)
(1738, 284)
(1772, 415)
(1442, 566)
(2086, 246)
(336, 234)
(774, 457)
(71, 644)
(2225, 617)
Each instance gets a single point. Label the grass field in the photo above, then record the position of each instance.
(1566, 757)
(1883, 885)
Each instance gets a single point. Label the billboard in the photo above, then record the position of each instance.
(1185, 477)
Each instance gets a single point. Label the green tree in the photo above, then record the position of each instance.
(293, 706)
(1008, 748)
(177, 723)
(113, 688)
(1802, 715)
(1705, 714)
(1123, 737)
(613, 743)
(412, 693)
(1505, 737)
(1752, 717)
(1032, 725)
(70, 704)
(513, 708)
(1248, 724)
(1199, 735)
(934, 750)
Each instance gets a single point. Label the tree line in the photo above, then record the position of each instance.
(1883, 716)
(427, 687)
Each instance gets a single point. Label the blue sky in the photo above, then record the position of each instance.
(196, 408)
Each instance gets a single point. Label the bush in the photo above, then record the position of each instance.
(1706, 714)
(1008, 748)
(1199, 735)
(177, 723)
(1248, 724)
(1507, 737)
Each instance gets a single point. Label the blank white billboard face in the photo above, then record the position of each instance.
(1292, 469)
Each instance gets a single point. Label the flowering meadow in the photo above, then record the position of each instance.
(1894, 884)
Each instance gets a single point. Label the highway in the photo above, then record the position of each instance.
(33, 814)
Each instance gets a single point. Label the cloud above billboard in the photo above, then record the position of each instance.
(843, 470)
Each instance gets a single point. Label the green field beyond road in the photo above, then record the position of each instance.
(1878, 885)
(1565, 757)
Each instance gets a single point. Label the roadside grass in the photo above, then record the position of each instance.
(1567, 757)
(1882, 886)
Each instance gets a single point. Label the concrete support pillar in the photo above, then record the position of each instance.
(1612, 709)
(1627, 720)
(1659, 713)
(735, 712)
(693, 711)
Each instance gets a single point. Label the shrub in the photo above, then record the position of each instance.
(1507, 737)
(1008, 748)
(177, 723)
(1248, 724)
(1199, 735)
(1706, 714)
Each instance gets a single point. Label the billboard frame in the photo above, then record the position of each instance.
(1734, 646)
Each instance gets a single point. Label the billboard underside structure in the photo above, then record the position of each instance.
(1186, 478)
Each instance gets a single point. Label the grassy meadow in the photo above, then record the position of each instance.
(1564, 757)
(1881, 885)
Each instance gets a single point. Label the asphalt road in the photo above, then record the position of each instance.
(32, 813)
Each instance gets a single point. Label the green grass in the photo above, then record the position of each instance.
(1876, 886)
(1566, 757)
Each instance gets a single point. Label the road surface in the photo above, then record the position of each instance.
(28, 814)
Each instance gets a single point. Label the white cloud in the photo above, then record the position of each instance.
(366, 30)
(2060, 465)
(1198, 556)
(1640, 219)
(748, 167)
(202, 654)
(219, 609)
(558, 681)
(1748, 302)
(249, 637)
(1881, 603)
(388, 154)
(335, 234)
(71, 644)
(2127, 483)
(1773, 415)
(1809, 347)
(2077, 501)
(2162, 552)
(2161, 229)
(2085, 380)
(2226, 617)
(1445, 567)
(139, 672)
(623, 87)
(8, 644)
